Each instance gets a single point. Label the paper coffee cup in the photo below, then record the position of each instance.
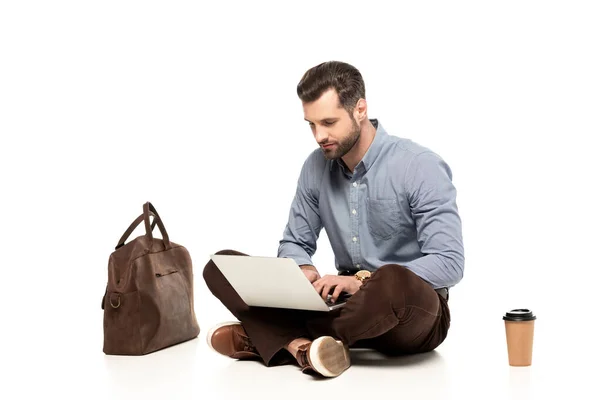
(519, 324)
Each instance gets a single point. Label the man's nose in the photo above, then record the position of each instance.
(321, 135)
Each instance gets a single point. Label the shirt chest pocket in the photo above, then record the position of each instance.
(383, 218)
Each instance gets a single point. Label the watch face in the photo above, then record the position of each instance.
(363, 274)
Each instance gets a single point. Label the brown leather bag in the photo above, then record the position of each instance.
(149, 300)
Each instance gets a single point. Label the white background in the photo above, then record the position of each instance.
(192, 106)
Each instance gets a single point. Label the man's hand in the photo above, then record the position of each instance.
(310, 272)
(348, 284)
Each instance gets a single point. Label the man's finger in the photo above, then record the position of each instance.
(318, 285)
(326, 289)
(336, 293)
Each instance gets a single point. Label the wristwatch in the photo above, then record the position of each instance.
(362, 275)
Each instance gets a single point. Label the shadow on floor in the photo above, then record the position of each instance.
(368, 357)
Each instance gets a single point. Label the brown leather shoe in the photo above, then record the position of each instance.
(325, 356)
(231, 340)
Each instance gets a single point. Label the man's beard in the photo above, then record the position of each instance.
(346, 145)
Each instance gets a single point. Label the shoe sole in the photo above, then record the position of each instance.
(329, 357)
(212, 330)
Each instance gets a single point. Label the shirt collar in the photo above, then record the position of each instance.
(372, 152)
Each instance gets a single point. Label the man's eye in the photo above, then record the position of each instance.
(328, 123)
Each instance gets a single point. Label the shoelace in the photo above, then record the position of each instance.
(248, 346)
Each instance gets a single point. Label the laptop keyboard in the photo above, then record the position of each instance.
(341, 299)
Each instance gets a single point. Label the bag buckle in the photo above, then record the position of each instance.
(118, 300)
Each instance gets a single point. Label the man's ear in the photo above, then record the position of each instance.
(360, 111)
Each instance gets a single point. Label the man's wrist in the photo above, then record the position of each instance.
(308, 267)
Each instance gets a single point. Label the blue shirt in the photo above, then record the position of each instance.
(398, 206)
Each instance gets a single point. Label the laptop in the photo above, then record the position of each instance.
(273, 282)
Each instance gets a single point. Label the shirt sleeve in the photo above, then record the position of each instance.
(432, 199)
(304, 224)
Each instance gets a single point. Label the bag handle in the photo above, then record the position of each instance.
(131, 228)
(149, 210)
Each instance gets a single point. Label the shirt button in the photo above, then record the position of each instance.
(354, 239)
(357, 265)
(355, 184)
(354, 212)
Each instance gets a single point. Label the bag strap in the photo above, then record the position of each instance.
(149, 210)
(131, 228)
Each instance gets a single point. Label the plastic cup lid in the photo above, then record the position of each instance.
(519, 314)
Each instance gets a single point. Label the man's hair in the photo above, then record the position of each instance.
(344, 78)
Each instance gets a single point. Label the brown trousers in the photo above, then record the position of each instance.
(394, 312)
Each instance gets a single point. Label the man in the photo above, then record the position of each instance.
(388, 206)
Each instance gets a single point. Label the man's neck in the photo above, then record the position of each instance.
(367, 134)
